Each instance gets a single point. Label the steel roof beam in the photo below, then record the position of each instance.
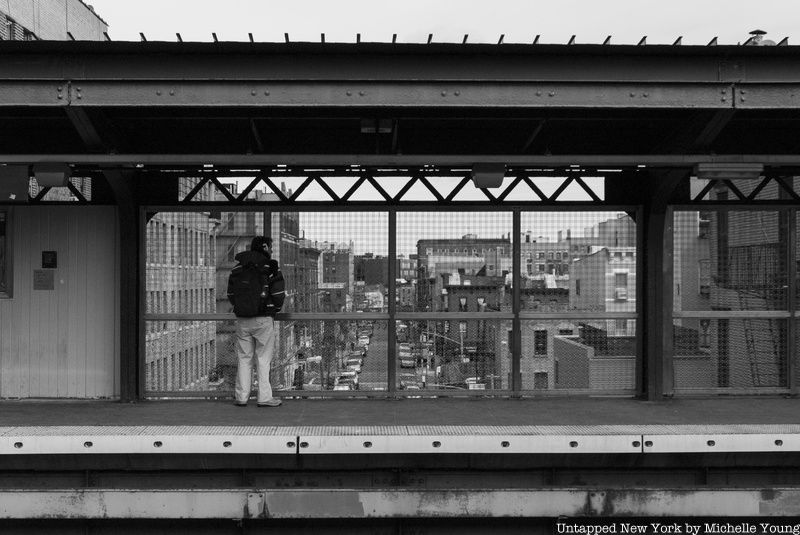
(252, 161)
(337, 94)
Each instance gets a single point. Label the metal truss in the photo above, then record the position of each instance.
(733, 192)
(398, 186)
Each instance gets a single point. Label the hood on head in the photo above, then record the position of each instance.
(255, 257)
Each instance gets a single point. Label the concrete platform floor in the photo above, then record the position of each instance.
(407, 412)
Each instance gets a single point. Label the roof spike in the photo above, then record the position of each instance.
(286, 36)
(536, 40)
(250, 36)
(642, 42)
(713, 42)
(500, 41)
(322, 37)
(571, 40)
(106, 36)
(678, 41)
(178, 36)
(394, 38)
(607, 41)
(358, 38)
(142, 37)
(784, 42)
(214, 36)
(430, 38)
(466, 36)
(71, 37)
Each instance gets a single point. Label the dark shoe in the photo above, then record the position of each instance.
(240, 404)
(274, 402)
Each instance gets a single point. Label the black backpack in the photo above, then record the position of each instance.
(246, 290)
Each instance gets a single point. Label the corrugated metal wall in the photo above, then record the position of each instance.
(62, 342)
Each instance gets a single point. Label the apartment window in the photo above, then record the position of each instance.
(530, 269)
(577, 287)
(622, 325)
(540, 343)
(558, 256)
(540, 256)
(462, 304)
(620, 280)
(565, 256)
(540, 380)
(540, 267)
(481, 303)
(5, 256)
(550, 255)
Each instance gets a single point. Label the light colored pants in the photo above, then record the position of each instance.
(254, 337)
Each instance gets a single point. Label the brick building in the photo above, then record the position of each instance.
(50, 20)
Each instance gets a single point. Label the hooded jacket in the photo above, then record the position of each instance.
(274, 286)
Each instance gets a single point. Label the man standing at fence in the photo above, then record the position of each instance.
(256, 291)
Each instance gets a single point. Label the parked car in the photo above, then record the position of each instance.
(354, 364)
(363, 341)
(407, 362)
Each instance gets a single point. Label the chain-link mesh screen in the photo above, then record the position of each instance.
(579, 354)
(337, 355)
(458, 354)
(730, 353)
(730, 260)
(334, 261)
(189, 256)
(184, 356)
(447, 261)
(578, 261)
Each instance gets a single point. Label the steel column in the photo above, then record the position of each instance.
(131, 305)
(516, 304)
(391, 327)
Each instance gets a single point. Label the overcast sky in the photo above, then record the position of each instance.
(627, 21)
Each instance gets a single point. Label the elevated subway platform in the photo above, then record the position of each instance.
(384, 460)
(407, 426)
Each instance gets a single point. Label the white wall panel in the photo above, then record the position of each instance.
(62, 342)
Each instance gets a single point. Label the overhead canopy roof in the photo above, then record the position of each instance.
(523, 101)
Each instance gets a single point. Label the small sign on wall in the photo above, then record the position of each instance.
(43, 279)
(49, 259)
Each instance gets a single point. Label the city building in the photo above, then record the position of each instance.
(181, 255)
(50, 20)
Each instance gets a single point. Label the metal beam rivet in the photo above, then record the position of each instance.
(158, 92)
(290, 444)
(157, 444)
(60, 97)
(253, 93)
(88, 444)
(304, 444)
(538, 93)
(742, 91)
(226, 444)
(171, 91)
(457, 93)
(436, 444)
(266, 93)
(633, 95)
(573, 444)
(711, 443)
(779, 442)
(368, 444)
(644, 95)
(361, 93)
(18, 445)
(648, 443)
(505, 444)
(444, 93)
(636, 444)
(552, 93)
